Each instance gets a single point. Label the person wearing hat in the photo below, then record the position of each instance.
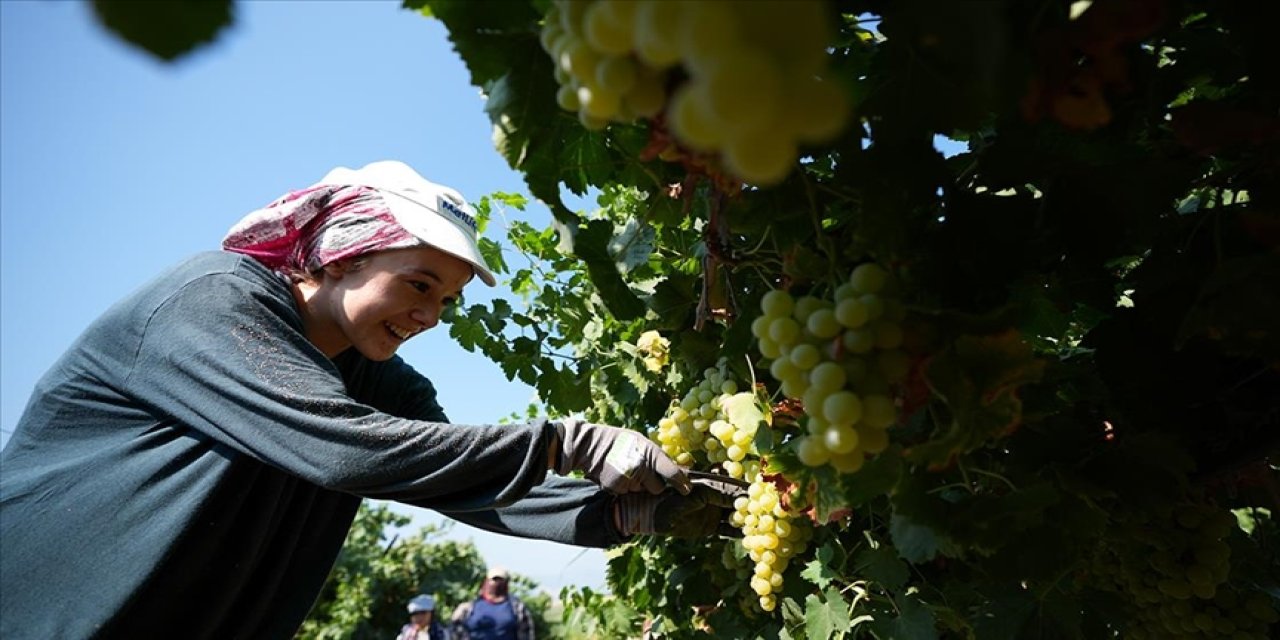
(199, 453)
(495, 614)
(422, 621)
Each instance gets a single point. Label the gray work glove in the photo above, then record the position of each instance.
(701, 513)
(620, 460)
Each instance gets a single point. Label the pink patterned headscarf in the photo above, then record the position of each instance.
(308, 229)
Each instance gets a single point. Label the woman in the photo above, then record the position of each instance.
(422, 621)
(196, 457)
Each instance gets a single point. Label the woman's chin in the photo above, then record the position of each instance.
(378, 353)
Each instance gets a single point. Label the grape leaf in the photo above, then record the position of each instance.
(828, 494)
(978, 379)
(590, 243)
(819, 570)
(988, 522)
(825, 616)
(166, 30)
(1003, 618)
(914, 621)
(743, 410)
(1238, 307)
(916, 543)
(632, 245)
(876, 478)
(882, 565)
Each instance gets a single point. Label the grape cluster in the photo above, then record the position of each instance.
(772, 535)
(840, 358)
(698, 424)
(1173, 568)
(747, 75)
(699, 431)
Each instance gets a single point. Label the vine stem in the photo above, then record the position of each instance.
(992, 474)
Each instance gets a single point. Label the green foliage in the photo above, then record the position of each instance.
(1091, 284)
(376, 575)
(167, 30)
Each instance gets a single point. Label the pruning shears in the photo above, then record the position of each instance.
(722, 484)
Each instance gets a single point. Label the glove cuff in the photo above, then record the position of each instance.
(568, 431)
(635, 513)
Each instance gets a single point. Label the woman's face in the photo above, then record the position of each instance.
(377, 305)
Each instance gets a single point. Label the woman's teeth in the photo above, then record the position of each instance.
(403, 334)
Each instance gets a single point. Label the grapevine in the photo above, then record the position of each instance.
(1019, 379)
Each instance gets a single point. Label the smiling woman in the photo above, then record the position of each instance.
(385, 217)
(200, 452)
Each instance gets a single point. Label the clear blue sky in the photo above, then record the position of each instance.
(114, 165)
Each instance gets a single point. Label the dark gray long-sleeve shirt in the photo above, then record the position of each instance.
(192, 464)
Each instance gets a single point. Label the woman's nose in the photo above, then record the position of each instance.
(427, 316)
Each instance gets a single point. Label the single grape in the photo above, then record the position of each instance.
(848, 462)
(840, 439)
(827, 376)
(851, 313)
(842, 407)
(878, 411)
(567, 98)
(602, 30)
(812, 451)
(784, 330)
(647, 96)
(815, 110)
(690, 120)
(805, 356)
(572, 14)
(761, 157)
(616, 73)
(599, 102)
(656, 32)
(710, 29)
(744, 91)
(578, 59)
(777, 303)
(823, 324)
(868, 277)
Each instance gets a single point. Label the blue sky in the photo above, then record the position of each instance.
(114, 165)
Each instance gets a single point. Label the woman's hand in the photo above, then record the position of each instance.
(699, 514)
(620, 460)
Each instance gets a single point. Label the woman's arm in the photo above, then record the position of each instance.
(564, 510)
(224, 356)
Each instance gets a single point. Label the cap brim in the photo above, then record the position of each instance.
(435, 229)
(414, 202)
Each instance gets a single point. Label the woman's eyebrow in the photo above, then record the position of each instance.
(428, 273)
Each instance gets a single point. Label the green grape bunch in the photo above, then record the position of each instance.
(741, 79)
(772, 536)
(698, 426)
(701, 430)
(840, 358)
(1173, 568)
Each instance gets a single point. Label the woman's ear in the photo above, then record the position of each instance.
(337, 268)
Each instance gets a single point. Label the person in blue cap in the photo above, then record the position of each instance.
(422, 621)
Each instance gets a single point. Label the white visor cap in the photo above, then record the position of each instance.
(433, 213)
